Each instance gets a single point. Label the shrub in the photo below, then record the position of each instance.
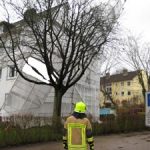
(128, 119)
(13, 134)
(18, 136)
(24, 129)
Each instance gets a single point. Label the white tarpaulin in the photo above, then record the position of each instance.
(26, 97)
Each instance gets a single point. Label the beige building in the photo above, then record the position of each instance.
(122, 88)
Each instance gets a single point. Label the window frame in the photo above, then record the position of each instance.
(122, 83)
(11, 72)
(122, 93)
(129, 92)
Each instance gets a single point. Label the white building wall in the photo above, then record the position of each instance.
(5, 84)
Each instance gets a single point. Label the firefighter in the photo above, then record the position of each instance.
(77, 130)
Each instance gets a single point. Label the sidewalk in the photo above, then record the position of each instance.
(130, 141)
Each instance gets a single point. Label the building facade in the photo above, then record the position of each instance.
(122, 88)
(19, 96)
(7, 78)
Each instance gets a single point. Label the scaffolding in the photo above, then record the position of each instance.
(26, 97)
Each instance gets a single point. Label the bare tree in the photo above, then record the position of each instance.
(137, 56)
(66, 37)
(109, 62)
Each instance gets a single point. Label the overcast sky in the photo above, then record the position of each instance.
(136, 18)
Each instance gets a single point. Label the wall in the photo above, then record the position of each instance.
(134, 87)
(5, 84)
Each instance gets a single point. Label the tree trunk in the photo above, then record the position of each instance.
(56, 118)
(141, 81)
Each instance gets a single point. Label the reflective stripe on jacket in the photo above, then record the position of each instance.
(76, 133)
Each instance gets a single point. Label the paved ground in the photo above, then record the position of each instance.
(131, 141)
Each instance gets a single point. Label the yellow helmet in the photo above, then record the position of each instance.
(80, 107)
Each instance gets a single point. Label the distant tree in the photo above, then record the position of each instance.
(66, 37)
(109, 62)
(137, 56)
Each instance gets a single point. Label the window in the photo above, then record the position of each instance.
(129, 93)
(122, 93)
(12, 71)
(122, 83)
(128, 83)
(108, 89)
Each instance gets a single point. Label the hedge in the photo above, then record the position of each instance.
(15, 135)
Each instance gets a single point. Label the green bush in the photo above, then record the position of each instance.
(124, 122)
(18, 136)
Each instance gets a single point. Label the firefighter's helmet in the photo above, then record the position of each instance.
(80, 107)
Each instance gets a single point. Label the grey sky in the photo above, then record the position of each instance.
(136, 18)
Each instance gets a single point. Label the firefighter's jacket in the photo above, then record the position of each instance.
(78, 133)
